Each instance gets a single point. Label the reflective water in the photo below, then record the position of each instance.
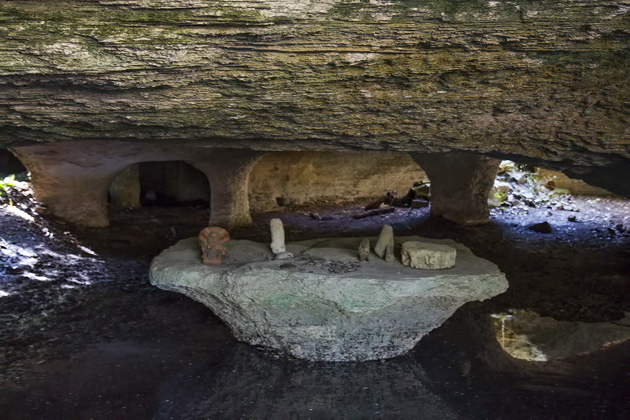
(459, 371)
(120, 349)
(249, 384)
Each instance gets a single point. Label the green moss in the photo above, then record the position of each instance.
(225, 70)
(352, 9)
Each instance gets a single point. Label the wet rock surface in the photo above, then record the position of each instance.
(105, 349)
(332, 308)
(526, 335)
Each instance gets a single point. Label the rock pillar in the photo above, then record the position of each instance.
(70, 182)
(460, 184)
(124, 190)
(228, 174)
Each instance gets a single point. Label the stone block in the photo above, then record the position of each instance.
(419, 203)
(428, 256)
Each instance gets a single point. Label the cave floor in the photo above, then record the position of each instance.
(84, 335)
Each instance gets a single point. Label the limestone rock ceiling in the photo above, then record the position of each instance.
(545, 80)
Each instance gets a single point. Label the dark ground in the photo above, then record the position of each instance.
(84, 335)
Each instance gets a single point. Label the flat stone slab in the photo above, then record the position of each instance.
(324, 304)
(427, 255)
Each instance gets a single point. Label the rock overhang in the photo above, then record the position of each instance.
(544, 80)
(540, 81)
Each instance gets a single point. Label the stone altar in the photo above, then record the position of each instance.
(324, 304)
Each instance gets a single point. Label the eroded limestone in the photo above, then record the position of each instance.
(298, 178)
(72, 179)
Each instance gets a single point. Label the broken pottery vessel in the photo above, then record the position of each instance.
(211, 240)
(325, 305)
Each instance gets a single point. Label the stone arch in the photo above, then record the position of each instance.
(159, 183)
(72, 179)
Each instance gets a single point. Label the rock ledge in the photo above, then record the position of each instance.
(323, 304)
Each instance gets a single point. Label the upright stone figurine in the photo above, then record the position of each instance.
(364, 250)
(385, 245)
(211, 240)
(277, 236)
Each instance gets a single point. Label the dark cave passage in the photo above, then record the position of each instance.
(9, 164)
(160, 184)
(172, 184)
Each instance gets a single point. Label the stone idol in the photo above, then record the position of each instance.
(277, 240)
(385, 244)
(364, 250)
(211, 240)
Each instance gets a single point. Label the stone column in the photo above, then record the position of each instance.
(228, 173)
(460, 184)
(124, 191)
(71, 181)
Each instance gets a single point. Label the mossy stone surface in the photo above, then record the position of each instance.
(544, 80)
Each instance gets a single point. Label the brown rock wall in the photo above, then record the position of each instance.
(295, 178)
(544, 80)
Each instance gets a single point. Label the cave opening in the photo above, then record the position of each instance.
(164, 199)
(11, 165)
(160, 184)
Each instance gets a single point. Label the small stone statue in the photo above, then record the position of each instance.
(211, 240)
(385, 245)
(364, 250)
(277, 236)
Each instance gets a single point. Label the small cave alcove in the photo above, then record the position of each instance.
(292, 180)
(165, 200)
(9, 164)
(160, 184)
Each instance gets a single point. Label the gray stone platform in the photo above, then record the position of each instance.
(323, 304)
